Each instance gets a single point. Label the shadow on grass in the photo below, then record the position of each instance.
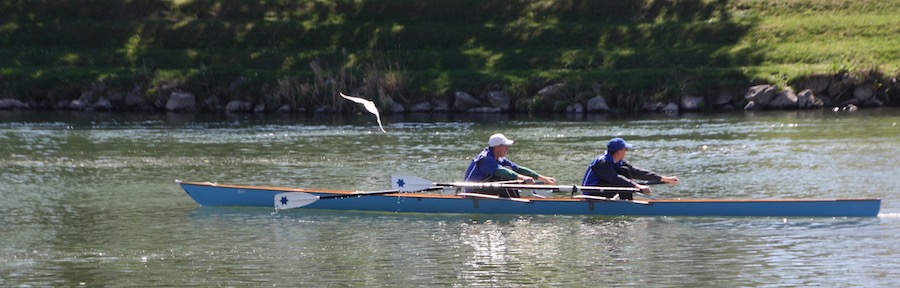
(658, 47)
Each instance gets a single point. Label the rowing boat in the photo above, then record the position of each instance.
(400, 200)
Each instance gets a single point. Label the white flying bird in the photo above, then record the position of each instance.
(370, 106)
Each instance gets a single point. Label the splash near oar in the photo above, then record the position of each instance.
(369, 105)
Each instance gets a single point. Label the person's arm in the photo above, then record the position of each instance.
(642, 174)
(607, 173)
(522, 170)
(505, 173)
(535, 176)
(670, 179)
(525, 171)
(509, 170)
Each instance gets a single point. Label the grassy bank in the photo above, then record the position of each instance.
(302, 52)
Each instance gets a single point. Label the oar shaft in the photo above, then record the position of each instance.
(367, 193)
(564, 188)
(288, 200)
(413, 183)
(360, 194)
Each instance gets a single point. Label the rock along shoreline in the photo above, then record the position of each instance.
(839, 92)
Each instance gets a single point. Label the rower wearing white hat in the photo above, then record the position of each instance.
(492, 165)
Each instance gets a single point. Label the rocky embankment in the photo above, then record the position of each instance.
(834, 92)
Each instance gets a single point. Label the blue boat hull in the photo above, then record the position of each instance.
(209, 194)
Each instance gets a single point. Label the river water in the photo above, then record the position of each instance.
(91, 200)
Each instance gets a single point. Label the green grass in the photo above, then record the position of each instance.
(652, 50)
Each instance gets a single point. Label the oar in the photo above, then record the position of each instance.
(413, 183)
(615, 199)
(496, 197)
(290, 200)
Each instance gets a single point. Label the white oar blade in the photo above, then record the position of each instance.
(291, 200)
(410, 183)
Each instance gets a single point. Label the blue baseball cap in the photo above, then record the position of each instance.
(617, 144)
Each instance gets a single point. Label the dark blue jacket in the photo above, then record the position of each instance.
(605, 172)
(485, 164)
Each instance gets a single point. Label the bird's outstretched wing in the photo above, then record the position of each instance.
(369, 105)
(355, 99)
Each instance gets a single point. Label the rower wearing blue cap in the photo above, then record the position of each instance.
(611, 169)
